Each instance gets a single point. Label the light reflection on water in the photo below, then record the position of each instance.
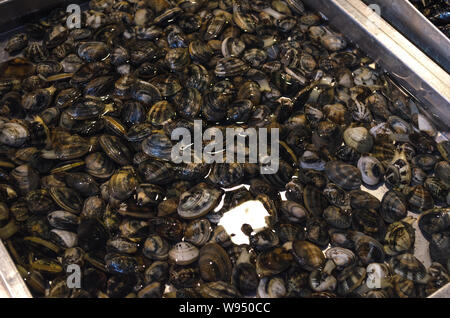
(251, 212)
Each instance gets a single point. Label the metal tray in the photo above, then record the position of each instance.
(409, 66)
(409, 21)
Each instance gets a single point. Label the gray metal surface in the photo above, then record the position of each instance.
(11, 283)
(402, 15)
(444, 292)
(409, 66)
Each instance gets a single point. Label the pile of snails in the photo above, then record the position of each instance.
(86, 176)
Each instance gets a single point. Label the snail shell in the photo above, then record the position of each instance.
(419, 199)
(408, 266)
(13, 134)
(350, 279)
(198, 232)
(214, 263)
(67, 199)
(337, 217)
(272, 262)
(344, 175)
(372, 170)
(398, 172)
(219, 289)
(293, 211)
(360, 199)
(272, 287)
(359, 139)
(155, 247)
(393, 206)
(198, 201)
(64, 238)
(308, 255)
(400, 237)
(314, 200)
(158, 271)
(341, 257)
(183, 253)
(245, 278)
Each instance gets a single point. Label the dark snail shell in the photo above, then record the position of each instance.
(158, 271)
(408, 266)
(350, 279)
(67, 199)
(440, 247)
(156, 248)
(419, 199)
(99, 165)
(344, 175)
(314, 200)
(437, 188)
(368, 221)
(293, 211)
(218, 289)
(337, 217)
(294, 191)
(198, 232)
(288, 232)
(273, 262)
(93, 51)
(399, 238)
(160, 113)
(26, 178)
(317, 231)
(120, 264)
(92, 234)
(245, 278)
(157, 145)
(39, 201)
(188, 102)
(214, 263)
(434, 221)
(336, 195)
(368, 249)
(360, 199)
(115, 149)
(264, 240)
(226, 174)
(198, 201)
(230, 66)
(393, 206)
(156, 171)
(442, 171)
(308, 255)
(63, 220)
(184, 276)
(122, 183)
(149, 194)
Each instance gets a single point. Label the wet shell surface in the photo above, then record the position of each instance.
(393, 206)
(198, 201)
(95, 119)
(372, 171)
(308, 255)
(344, 175)
(214, 263)
(198, 232)
(359, 139)
(183, 253)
